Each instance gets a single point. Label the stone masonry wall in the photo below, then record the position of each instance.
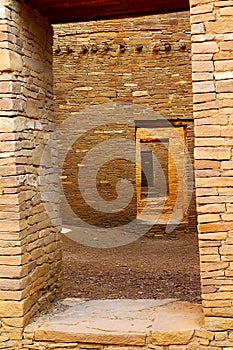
(144, 61)
(212, 28)
(98, 62)
(29, 242)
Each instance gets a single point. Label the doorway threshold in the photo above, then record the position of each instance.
(143, 323)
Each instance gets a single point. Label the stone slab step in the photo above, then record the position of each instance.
(119, 322)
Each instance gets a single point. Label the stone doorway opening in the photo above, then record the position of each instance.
(104, 65)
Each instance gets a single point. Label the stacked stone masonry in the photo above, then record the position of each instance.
(143, 61)
(29, 243)
(30, 246)
(211, 23)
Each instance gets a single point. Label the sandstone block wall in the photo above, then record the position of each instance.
(213, 91)
(29, 242)
(144, 61)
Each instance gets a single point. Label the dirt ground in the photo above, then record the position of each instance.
(157, 268)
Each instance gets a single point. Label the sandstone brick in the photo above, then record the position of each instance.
(202, 9)
(227, 217)
(211, 208)
(219, 323)
(203, 86)
(224, 86)
(208, 218)
(214, 182)
(10, 61)
(212, 153)
(198, 28)
(221, 26)
(207, 131)
(206, 47)
(222, 76)
(216, 227)
(207, 164)
(230, 208)
(214, 266)
(202, 18)
(203, 97)
(223, 65)
(226, 250)
(202, 66)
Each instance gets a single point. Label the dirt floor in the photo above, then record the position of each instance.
(158, 268)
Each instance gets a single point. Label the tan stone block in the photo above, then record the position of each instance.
(227, 217)
(7, 271)
(9, 226)
(32, 109)
(223, 76)
(202, 76)
(207, 173)
(214, 267)
(226, 288)
(218, 296)
(213, 199)
(200, 38)
(212, 142)
(11, 260)
(216, 303)
(226, 65)
(203, 86)
(227, 172)
(203, 57)
(207, 105)
(202, 9)
(197, 98)
(220, 336)
(219, 323)
(226, 250)
(224, 86)
(220, 153)
(209, 251)
(207, 164)
(216, 236)
(208, 218)
(212, 274)
(57, 334)
(6, 124)
(203, 18)
(214, 182)
(211, 119)
(209, 258)
(227, 131)
(168, 338)
(206, 192)
(206, 47)
(202, 66)
(211, 208)
(10, 61)
(209, 244)
(204, 334)
(216, 227)
(207, 131)
(221, 26)
(13, 308)
(225, 191)
(198, 28)
(226, 11)
(230, 208)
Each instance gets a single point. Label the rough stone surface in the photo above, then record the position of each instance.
(119, 322)
(29, 242)
(97, 63)
(26, 42)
